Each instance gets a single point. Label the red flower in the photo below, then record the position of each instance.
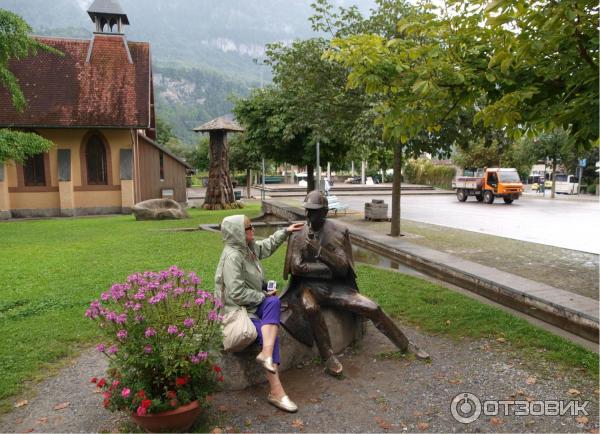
(93, 379)
(146, 403)
(141, 394)
(141, 411)
(101, 383)
(173, 403)
(115, 384)
(217, 368)
(220, 378)
(181, 381)
(171, 394)
(106, 403)
(106, 395)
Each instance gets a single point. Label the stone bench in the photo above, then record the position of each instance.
(240, 370)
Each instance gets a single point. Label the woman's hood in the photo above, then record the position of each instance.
(233, 231)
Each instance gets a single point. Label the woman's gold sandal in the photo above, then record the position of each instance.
(267, 363)
(285, 403)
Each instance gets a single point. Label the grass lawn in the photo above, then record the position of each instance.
(51, 269)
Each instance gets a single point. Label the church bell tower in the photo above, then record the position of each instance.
(108, 16)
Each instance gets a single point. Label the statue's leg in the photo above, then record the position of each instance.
(320, 332)
(362, 305)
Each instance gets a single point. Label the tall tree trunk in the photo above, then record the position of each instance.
(396, 190)
(310, 178)
(219, 192)
(553, 177)
(248, 183)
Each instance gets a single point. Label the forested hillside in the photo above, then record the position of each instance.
(188, 97)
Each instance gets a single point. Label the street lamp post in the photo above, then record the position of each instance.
(318, 167)
(262, 192)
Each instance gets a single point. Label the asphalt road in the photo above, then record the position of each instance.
(570, 224)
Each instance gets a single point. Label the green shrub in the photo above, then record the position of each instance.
(591, 189)
(423, 171)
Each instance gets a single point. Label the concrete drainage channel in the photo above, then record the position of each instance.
(571, 312)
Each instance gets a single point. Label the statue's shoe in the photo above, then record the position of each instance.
(419, 353)
(285, 403)
(267, 363)
(333, 366)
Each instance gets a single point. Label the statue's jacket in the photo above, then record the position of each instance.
(239, 276)
(331, 269)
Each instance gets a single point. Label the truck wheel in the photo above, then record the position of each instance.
(488, 197)
(508, 200)
(461, 195)
(479, 197)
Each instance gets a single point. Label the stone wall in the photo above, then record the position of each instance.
(281, 210)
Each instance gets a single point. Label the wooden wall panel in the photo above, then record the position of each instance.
(150, 183)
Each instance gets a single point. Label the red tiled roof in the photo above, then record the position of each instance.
(109, 90)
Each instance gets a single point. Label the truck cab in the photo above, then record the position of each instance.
(504, 183)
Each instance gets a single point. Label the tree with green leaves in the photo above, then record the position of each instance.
(15, 43)
(164, 130)
(265, 118)
(199, 155)
(422, 97)
(305, 105)
(506, 65)
(554, 145)
(244, 157)
(479, 154)
(543, 60)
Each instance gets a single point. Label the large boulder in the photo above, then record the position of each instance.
(240, 370)
(159, 209)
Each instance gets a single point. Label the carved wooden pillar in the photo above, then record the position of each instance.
(219, 193)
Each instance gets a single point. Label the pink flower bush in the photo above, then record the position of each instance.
(161, 329)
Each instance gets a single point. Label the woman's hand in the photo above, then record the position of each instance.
(294, 227)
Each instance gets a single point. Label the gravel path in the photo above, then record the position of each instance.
(381, 392)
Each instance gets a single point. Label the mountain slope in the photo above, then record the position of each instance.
(188, 97)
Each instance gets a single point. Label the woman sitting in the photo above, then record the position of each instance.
(240, 279)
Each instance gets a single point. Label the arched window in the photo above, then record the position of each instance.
(95, 159)
(34, 172)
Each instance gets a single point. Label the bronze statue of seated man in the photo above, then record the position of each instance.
(319, 259)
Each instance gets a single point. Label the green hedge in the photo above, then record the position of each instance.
(425, 172)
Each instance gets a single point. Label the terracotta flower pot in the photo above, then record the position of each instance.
(179, 420)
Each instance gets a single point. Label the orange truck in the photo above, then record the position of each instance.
(488, 185)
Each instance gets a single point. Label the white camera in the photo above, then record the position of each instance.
(271, 285)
